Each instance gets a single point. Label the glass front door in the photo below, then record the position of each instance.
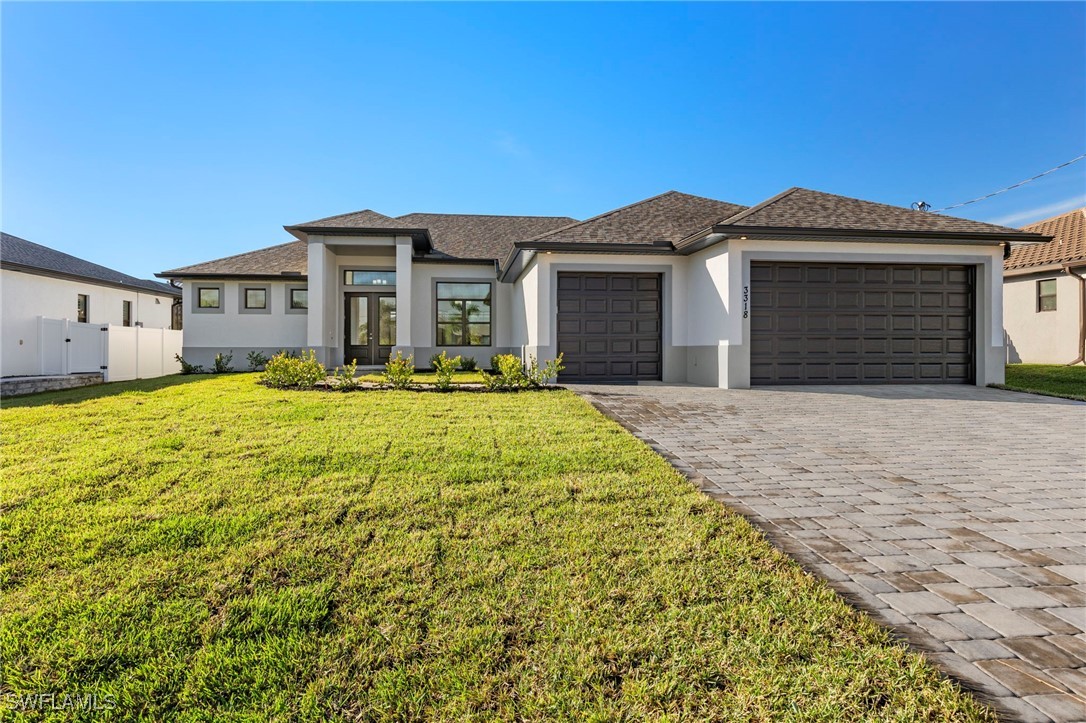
(370, 328)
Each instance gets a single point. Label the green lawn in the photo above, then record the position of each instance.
(1052, 379)
(205, 548)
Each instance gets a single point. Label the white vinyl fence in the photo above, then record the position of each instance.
(119, 352)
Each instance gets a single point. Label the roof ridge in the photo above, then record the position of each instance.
(473, 215)
(1072, 212)
(341, 215)
(233, 256)
(606, 214)
(730, 220)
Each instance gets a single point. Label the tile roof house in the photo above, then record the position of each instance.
(42, 283)
(805, 287)
(1044, 293)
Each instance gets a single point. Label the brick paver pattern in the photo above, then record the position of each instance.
(955, 515)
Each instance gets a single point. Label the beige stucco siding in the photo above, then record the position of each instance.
(1041, 337)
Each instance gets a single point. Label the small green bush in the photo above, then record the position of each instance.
(187, 368)
(444, 367)
(467, 364)
(540, 377)
(257, 360)
(345, 378)
(221, 364)
(509, 374)
(285, 371)
(494, 362)
(399, 371)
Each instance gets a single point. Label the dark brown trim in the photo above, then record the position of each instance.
(944, 236)
(49, 273)
(239, 277)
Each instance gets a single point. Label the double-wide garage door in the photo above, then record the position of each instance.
(861, 323)
(609, 326)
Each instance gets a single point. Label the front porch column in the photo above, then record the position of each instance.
(321, 317)
(403, 296)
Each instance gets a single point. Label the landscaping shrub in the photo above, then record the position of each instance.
(222, 363)
(257, 360)
(540, 377)
(345, 379)
(399, 371)
(187, 368)
(467, 364)
(283, 371)
(509, 374)
(444, 367)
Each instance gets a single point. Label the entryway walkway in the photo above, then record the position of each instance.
(954, 514)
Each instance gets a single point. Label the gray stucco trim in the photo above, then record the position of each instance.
(493, 313)
(195, 307)
(243, 288)
(286, 298)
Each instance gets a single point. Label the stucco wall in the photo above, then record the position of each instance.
(423, 311)
(24, 297)
(1041, 337)
(230, 331)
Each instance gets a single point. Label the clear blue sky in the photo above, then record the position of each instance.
(146, 136)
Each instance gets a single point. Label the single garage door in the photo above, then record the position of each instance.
(609, 326)
(861, 324)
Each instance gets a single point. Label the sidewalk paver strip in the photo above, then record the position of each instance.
(955, 515)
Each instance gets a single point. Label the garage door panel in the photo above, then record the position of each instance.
(857, 323)
(609, 326)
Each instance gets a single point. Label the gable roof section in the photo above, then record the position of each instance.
(661, 220)
(1068, 244)
(804, 209)
(289, 259)
(489, 238)
(19, 254)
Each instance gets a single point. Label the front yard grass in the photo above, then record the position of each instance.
(1054, 380)
(206, 548)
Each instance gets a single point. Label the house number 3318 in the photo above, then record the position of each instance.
(746, 296)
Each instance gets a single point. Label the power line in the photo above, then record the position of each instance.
(1011, 188)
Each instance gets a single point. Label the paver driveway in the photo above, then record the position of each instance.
(954, 514)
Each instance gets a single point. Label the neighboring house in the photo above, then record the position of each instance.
(803, 288)
(39, 282)
(1044, 293)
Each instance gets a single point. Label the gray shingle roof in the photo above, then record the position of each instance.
(356, 219)
(663, 219)
(799, 208)
(281, 260)
(19, 253)
(480, 237)
(1068, 244)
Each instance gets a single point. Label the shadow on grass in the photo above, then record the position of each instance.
(98, 391)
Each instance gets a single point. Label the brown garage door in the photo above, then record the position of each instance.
(609, 326)
(860, 324)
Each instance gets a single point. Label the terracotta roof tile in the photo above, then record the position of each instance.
(1068, 242)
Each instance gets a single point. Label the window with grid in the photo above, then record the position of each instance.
(463, 314)
(1046, 295)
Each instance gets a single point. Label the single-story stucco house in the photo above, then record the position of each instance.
(1044, 293)
(803, 288)
(39, 283)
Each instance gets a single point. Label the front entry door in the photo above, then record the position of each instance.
(369, 329)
